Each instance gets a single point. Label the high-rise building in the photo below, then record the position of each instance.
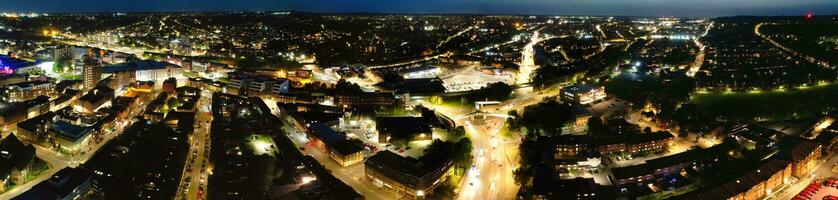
(91, 73)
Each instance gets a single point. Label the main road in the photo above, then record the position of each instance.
(197, 167)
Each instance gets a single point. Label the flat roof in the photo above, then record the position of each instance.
(631, 171)
(579, 88)
(346, 147)
(408, 165)
(70, 131)
(136, 65)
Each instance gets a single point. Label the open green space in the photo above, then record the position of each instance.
(795, 103)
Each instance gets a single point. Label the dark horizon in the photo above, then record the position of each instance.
(640, 8)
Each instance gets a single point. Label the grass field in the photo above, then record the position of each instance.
(796, 103)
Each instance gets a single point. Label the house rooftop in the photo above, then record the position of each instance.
(631, 171)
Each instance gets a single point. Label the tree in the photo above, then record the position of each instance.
(647, 130)
(458, 132)
(392, 77)
(345, 87)
(547, 117)
(462, 152)
(682, 133)
(595, 126)
(512, 120)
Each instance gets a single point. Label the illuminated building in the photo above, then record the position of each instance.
(9, 65)
(65, 130)
(366, 99)
(146, 70)
(805, 157)
(91, 73)
(407, 175)
(29, 90)
(582, 94)
(94, 99)
(756, 184)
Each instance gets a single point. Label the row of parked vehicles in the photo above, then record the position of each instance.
(810, 192)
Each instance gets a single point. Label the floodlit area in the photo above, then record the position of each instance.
(470, 79)
(262, 145)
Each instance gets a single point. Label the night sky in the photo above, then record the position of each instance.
(549, 7)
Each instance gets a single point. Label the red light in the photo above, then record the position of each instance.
(810, 15)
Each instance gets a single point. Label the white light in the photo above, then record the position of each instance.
(308, 179)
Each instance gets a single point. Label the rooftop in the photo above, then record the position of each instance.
(136, 65)
(329, 136)
(70, 131)
(402, 126)
(98, 94)
(346, 147)
(633, 171)
(579, 88)
(408, 165)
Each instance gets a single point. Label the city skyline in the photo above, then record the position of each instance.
(681, 8)
(449, 100)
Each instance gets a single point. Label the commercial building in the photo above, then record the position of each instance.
(29, 90)
(366, 100)
(65, 130)
(318, 128)
(582, 94)
(407, 175)
(94, 99)
(9, 65)
(242, 84)
(421, 71)
(145, 70)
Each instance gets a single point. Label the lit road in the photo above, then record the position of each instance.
(699, 59)
(423, 59)
(492, 177)
(455, 35)
(197, 167)
(527, 65)
(494, 160)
